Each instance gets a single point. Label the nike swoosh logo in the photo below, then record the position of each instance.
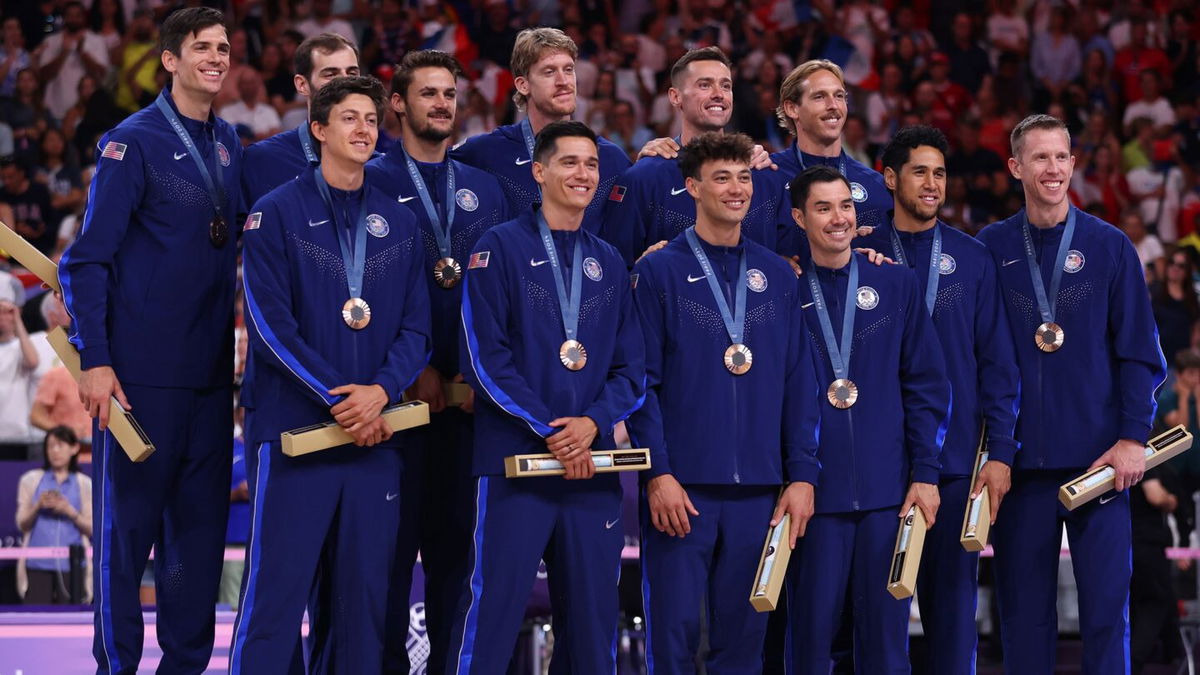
(180, 155)
(692, 280)
(608, 524)
(808, 305)
(1105, 500)
(1006, 263)
(535, 263)
(404, 199)
(391, 496)
(523, 162)
(679, 191)
(319, 222)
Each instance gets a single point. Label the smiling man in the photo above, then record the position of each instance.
(1090, 362)
(543, 68)
(553, 349)
(338, 319)
(650, 202)
(150, 287)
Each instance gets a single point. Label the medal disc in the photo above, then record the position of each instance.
(1049, 337)
(842, 393)
(447, 272)
(573, 355)
(218, 231)
(356, 313)
(738, 359)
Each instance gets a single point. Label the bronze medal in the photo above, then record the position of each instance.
(447, 272)
(738, 359)
(1049, 337)
(218, 231)
(842, 393)
(356, 313)
(572, 355)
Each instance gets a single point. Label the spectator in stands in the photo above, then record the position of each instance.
(1007, 30)
(1055, 60)
(885, 106)
(912, 63)
(906, 27)
(250, 109)
(323, 21)
(951, 96)
(1137, 58)
(1152, 105)
(983, 170)
(1091, 37)
(13, 57)
(1098, 179)
(1153, 614)
(1011, 86)
(137, 59)
(393, 34)
(93, 113)
(1099, 91)
(108, 21)
(26, 113)
(475, 117)
(239, 61)
(18, 360)
(969, 64)
(1149, 249)
(1182, 51)
(66, 56)
(58, 171)
(854, 140)
(33, 215)
(623, 129)
(1176, 308)
(54, 508)
(56, 398)
(1136, 152)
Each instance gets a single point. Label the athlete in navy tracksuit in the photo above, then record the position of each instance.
(517, 324)
(975, 341)
(718, 459)
(150, 284)
(437, 479)
(314, 359)
(1089, 402)
(881, 440)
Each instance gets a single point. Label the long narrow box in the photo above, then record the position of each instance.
(977, 517)
(121, 423)
(325, 435)
(906, 559)
(606, 461)
(29, 257)
(1096, 482)
(772, 567)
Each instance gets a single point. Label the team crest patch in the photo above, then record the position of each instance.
(947, 264)
(253, 221)
(114, 150)
(222, 154)
(857, 192)
(1074, 262)
(467, 200)
(756, 280)
(591, 267)
(633, 279)
(479, 260)
(617, 194)
(377, 225)
(866, 298)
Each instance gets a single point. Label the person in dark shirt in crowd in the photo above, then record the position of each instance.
(1176, 307)
(30, 202)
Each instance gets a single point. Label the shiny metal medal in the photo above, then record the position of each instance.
(573, 355)
(1049, 337)
(218, 231)
(447, 272)
(738, 359)
(842, 393)
(356, 313)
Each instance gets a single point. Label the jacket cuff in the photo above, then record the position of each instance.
(925, 474)
(390, 386)
(94, 356)
(798, 471)
(604, 424)
(1134, 431)
(1003, 450)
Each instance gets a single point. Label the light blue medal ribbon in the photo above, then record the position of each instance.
(842, 393)
(572, 353)
(1049, 336)
(527, 134)
(935, 262)
(215, 193)
(738, 356)
(447, 271)
(355, 312)
(841, 160)
(306, 143)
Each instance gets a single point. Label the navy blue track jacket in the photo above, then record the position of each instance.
(295, 283)
(147, 292)
(512, 330)
(973, 331)
(272, 162)
(702, 423)
(1101, 385)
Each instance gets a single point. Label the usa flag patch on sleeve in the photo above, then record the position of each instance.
(617, 194)
(479, 260)
(114, 150)
(253, 221)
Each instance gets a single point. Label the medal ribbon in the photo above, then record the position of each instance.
(355, 264)
(935, 261)
(568, 309)
(215, 193)
(1047, 306)
(735, 321)
(841, 160)
(306, 142)
(839, 357)
(527, 133)
(441, 233)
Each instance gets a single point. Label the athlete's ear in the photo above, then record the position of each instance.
(798, 216)
(302, 85)
(692, 186)
(539, 173)
(317, 130)
(397, 102)
(889, 178)
(170, 61)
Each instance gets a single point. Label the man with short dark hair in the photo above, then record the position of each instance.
(33, 212)
(720, 314)
(150, 286)
(66, 56)
(338, 322)
(553, 349)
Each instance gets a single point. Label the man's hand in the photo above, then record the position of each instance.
(666, 148)
(797, 502)
(574, 439)
(669, 506)
(875, 256)
(428, 388)
(361, 406)
(761, 159)
(996, 478)
(371, 433)
(1128, 459)
(96, 387)
(794, 261)
(579, 468)
(653, 247)
(468, 404)
(241, 493)
(926, 497)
